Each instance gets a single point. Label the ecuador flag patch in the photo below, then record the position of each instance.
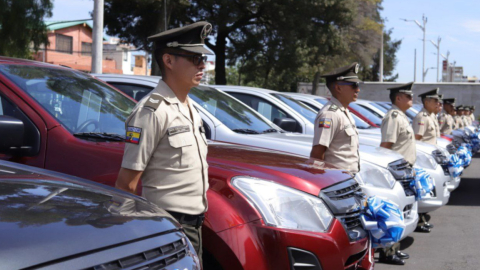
(325, 123)
(133, 135)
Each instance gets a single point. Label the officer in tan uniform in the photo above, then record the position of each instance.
(166, 146)
(466, 116)
(438, 111)
(458, 118)
(472, 111)
(424, 124)
(397, 135)
(446, 121)
(336, 137)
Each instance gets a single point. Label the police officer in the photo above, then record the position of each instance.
(472, 110)
(437, 112)
(458, 118)
(166, 146)
(466, 116)
(446, 121)
(397, 134)
(336, 137)
(424, 124)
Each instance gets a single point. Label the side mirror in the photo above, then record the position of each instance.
(287, 124)
(11, 135)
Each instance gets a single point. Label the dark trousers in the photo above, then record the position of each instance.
(422, 220)
(194, 234)
(390, 250)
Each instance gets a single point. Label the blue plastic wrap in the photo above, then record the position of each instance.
(464, 155)
(454, 165)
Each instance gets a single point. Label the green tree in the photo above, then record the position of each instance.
(22, 26)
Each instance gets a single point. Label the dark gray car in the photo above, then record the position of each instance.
(50, 220)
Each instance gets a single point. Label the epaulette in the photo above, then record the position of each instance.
(394, 114)
(333, 108)
(425, 114)
(153, 101)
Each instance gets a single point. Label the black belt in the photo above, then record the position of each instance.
(193, 220)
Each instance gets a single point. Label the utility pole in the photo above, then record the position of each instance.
(97, 46)
(437, 45)
(415, 66)
(423, 28)
(381, 57)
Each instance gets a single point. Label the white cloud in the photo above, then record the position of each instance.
(472, 25)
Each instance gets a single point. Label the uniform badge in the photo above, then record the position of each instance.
(394, 114)
(325, 123)
(421, 123)
(133, 135)
(178, 129)
(357, 67)
(425, 114)
(333, 108)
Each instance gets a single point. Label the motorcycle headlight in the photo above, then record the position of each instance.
(425, 161)
(285, 207)
(374, 175)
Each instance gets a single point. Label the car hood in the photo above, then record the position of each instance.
(46, 216)
(299, 172)
(420, 146)
(302, 145)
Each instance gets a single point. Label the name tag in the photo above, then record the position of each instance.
(178, 129)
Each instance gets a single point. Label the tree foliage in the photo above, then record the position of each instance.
(22, 26)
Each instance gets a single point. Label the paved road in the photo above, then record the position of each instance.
(454, 243)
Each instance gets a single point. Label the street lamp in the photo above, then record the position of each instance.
(437, 45)
(426, 71)
(422, 27)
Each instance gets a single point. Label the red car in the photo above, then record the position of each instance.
(267, 210)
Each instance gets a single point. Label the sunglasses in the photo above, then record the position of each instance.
(353, 84)
(197, 59)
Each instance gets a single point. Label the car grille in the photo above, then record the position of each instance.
(441, 159)
(157, 258)
(403, 173)
(344, 200)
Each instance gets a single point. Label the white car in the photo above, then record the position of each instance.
(228, 120)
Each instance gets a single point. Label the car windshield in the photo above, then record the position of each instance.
(321, 101)
(79, 102)
(385, 105)
(366, 113)
(297, 106)
(232, 113)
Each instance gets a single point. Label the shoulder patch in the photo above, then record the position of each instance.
(153, 101)
(333, 108)
(325, 123)
(394, 114)
(421, 123)
(133, 135)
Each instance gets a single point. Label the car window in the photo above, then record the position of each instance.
(78, 101)
(381, 108)
(366, 113)
(360, 123)
(302, 109)
(135, 91)
(376, 114)
(232, 113)
(262, 106)
(31, 133)
(321, 101)
(313, 107)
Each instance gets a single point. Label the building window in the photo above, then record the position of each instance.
(63, 44)
(125, 55)
(86, 48)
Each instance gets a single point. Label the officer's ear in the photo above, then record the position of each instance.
(168, 60)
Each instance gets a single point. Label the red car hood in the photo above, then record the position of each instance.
(295, 171)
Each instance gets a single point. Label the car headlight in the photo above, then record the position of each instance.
(374, 175)
(285, 207)
(425, 161)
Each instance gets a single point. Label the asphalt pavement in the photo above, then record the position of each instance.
(454, 243)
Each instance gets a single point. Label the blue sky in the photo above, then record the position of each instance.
(455, 21)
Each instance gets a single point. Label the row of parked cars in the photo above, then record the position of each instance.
(270, 206)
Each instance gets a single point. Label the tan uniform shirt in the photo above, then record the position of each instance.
(424, 125)
(458, 122)
(472, 117)
(396, 129)
(437, 126)
(465, 121)
(335, 128)
(447, 123)
(170, 148)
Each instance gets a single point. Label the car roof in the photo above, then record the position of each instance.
(233, 87)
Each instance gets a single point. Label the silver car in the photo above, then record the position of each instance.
(228, 120)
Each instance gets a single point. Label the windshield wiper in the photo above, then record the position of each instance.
(246, 131)
(99, 135)
(270, 130)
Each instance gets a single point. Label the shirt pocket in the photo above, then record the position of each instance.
(350, 133)
(182, 144)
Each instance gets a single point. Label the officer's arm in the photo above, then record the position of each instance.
(318, 151)
(418, 137)
(127, 180)
(387, 145)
